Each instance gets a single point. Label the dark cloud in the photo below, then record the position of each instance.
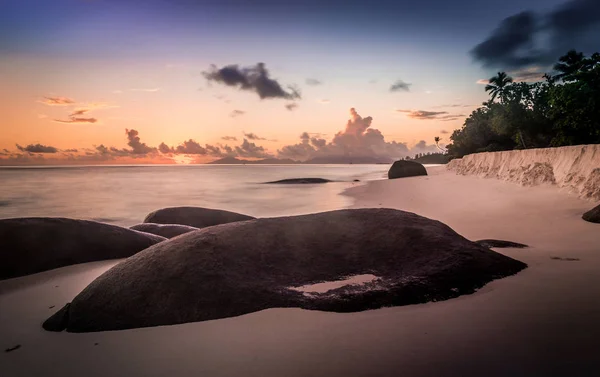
(400, 85)
(71, 150)
(518, 41)
(572, 22)
(253, 136)
(254, 79)
(291, 106)
(37, 148)
(236, 113)
(165, 149)
(511, 43)
(429, 115)
(57, 101)
(78, 112)
(230, 138)
(102, 149)
(248, 149)
(137, 147)
(313, 82)
(190, 147)
(443, 132)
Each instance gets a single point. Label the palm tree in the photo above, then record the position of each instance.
(569, 64)
(437, 144)
(498, 84)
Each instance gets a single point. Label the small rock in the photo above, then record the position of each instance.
(500, 244)
(13, 348)
(565, 259)
(302, 181)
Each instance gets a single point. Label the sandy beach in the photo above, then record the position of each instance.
(544, 321)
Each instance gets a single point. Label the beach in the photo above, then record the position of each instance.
(541, 322)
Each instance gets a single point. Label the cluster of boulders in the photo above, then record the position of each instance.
(231, 264)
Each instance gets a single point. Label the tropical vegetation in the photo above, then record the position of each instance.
(563, 109)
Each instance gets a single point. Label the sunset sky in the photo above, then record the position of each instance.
(77, 74)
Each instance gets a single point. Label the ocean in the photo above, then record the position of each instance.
(124, 195)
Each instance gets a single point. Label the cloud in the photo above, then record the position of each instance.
(431, 115)
(291, 106)
(400, 85)
(454, 106)
(248, 149)
(324, 101)
(236, 113)
(443, 132)
(76, 120)
(254, 78)
(531, 74)
(149, 90)
(57, 101)
(78, 112)
(75, 115)
(37, 148)
(164, 148)
(510, 44)
(231, 138)
(358, 140)
(190, 147)
(530, 39)
(313, 82)
(137, 147)
(482, 81)
(72, 150)
(117, 91)
(253, 136)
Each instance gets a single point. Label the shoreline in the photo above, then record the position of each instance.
(540, 322)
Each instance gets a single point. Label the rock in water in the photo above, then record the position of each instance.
(197, 217)
(164, 230)
(30, 245)
(292, 181)
(592, 215)
(402, 169)
(243, 267)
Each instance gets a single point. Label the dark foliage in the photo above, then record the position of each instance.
(562, 110)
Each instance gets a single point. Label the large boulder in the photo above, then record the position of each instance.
(402, 169)
(197, 217)
(30, 245)
(244, 267)
(164, 230)
(593, 215)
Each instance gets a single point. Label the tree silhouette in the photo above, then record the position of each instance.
(497, 85)
(569, 65)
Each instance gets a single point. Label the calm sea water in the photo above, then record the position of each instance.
(124, 195)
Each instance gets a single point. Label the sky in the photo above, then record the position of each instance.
(183, 81)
